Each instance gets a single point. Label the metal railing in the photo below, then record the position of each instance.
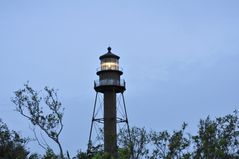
(103, 68)
(109, 82)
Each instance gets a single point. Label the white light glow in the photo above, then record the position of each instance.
(109, 65)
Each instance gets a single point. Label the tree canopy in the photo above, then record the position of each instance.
(215, 138)
(12, 145)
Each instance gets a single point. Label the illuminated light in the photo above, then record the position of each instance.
(109, 65)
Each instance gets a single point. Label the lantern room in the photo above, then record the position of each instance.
(109, 61)
(109, 73)
(109, 64)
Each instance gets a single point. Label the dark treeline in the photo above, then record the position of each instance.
(215, 138)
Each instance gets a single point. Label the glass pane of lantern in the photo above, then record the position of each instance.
(109, 64)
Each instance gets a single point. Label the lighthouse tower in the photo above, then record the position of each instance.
(110, 86)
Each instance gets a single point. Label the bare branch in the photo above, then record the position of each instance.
(45, 143)
(28, 103)
(36, 138)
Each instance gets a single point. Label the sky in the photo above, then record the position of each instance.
(180, 59)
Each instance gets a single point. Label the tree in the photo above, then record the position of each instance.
(159, 142)
(12, 145)
(178, 144)
(138, 144)
(81, 155)
(45, 112)
(50, 154)
(168, 146)
(217, 138)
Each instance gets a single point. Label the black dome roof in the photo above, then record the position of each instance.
(109, 54)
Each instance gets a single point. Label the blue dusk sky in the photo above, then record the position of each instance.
(180, 59)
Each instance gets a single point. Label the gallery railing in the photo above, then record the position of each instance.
(103, 68)
(109, 82)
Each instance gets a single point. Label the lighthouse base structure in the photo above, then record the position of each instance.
(109, 115)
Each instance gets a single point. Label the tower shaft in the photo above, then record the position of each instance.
(110, 130)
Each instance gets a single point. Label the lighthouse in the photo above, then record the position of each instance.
(110, 85)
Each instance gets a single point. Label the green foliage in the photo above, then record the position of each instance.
(102, 156)
(217, 138)
(138, 144)
(81, 155)
(159, 140)
(178, 144)
(169, 146)
(124, 153)
(50, 154)
(35, 156)
(98, 155)
(12, 145)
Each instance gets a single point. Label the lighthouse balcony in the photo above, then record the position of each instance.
(109, 82)
(106, 84)
(107, 68)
